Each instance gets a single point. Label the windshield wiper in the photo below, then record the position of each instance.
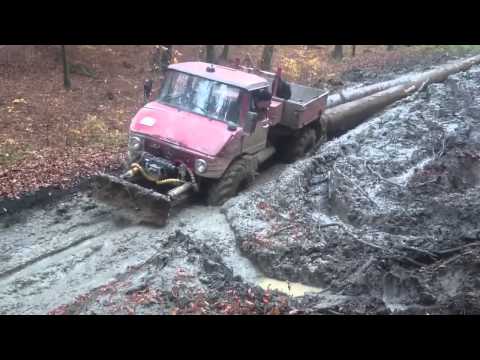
(170, 97)
(204, 110)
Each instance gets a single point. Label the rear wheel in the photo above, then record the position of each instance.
(299, 145)
(237, 177)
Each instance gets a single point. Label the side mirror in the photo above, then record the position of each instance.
(231, 126)
(250, 122)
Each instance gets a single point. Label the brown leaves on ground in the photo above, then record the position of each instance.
(53, 166)
(235, 301)
(50, 136)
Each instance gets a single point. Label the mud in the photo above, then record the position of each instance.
(51, 256)
(382, 220)
(392, 70)
(386, 214)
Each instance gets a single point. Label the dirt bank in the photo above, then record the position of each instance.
(386, 214)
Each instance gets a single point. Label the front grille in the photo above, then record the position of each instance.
(162, 150)
(154, 148)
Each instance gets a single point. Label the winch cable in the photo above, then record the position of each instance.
(135, 168)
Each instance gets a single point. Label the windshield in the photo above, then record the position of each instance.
(201, 96)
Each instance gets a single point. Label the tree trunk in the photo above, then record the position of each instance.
(354, 93)
(389, 47)
(225, 50)
(210, 53)
(267, 55)
(66, 69)
(339, 119)
(166, 58)
(337, 52)
(353, 50)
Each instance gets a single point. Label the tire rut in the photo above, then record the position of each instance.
(50, 254)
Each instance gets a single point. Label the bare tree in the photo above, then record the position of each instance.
(353, 50)
(225, 51)
(66, 69)
(210, 53)
(267, 55)
(167, 57)
(337, 52)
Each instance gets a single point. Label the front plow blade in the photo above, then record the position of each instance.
(131, 201)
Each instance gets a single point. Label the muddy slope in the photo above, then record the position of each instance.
(387, 214)
(395, 69)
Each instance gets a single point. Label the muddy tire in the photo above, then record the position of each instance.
(299, 145)
(238, 175)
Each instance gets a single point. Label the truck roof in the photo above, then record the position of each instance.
(222, 74)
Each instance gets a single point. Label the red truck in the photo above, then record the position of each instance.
(206, 133)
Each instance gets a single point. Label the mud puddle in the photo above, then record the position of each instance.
(290, 288)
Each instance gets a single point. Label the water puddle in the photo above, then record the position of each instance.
(289, 288)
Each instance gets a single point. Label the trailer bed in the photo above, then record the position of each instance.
(305, 105)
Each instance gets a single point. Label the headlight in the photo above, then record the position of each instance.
(135, 143)
(200, 166)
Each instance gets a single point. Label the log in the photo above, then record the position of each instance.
(338, 119)
(354, 93)
(358, 92)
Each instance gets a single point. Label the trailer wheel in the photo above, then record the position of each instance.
(236, 178)
(299, 145)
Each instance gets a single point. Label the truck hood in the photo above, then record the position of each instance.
(182, 128)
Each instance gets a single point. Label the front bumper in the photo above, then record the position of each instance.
(177, 155)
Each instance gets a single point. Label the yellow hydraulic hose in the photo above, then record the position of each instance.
(135, 168)
(169, 182)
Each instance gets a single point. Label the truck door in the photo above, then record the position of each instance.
(258, 139)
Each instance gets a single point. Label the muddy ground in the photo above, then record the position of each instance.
(386, 215)
(394, 69)
(380, 220)
(76, 255)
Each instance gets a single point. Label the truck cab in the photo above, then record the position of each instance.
(205, 112)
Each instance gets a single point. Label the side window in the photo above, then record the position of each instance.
(254, 97)
(261, 96)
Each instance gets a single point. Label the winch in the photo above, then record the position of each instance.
(159, 168)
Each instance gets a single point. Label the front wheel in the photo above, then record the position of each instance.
(235, 178)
